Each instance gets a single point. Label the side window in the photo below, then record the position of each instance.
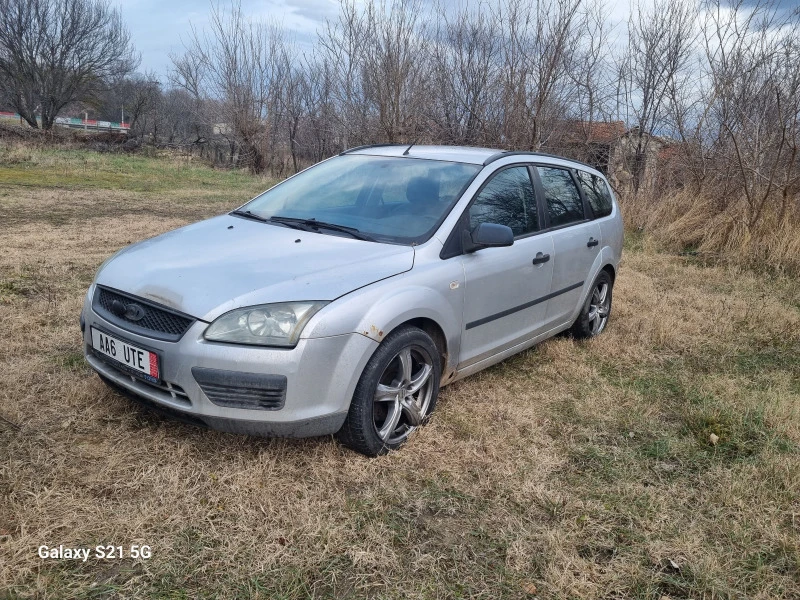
(596, 192)
(507, 199)
(564, 204)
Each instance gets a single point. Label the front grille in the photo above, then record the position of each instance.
(242, 390)
(156, 321)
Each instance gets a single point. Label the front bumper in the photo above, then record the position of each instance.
(320, 378)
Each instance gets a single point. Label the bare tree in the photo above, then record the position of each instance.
(393, 67)
(749, 124)
(132, 97)
(53, 52)
(378, 60)
(591, 72)
(236, 63)
(293, 96)
(320, 131)
(660, 40)
(542, 38)
(341, 45)
(523, 74)
(173, 120)
(465, 65)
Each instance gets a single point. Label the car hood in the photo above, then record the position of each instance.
(211, 267)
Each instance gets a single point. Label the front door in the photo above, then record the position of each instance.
(506, 288)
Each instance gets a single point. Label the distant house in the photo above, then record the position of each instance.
(612, 149)
(594, 142)
(70, 122)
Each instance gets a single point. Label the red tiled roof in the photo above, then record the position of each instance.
(672, 151)
(595, 131)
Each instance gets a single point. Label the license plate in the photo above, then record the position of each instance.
(137, 360)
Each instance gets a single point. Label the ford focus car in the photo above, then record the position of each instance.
(342, 299)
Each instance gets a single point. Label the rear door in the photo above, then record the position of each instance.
(506, 288)
(576, 240)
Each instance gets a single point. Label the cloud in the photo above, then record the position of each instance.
(158, 28)
(314, 10)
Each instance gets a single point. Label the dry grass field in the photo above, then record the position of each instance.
(573, 470)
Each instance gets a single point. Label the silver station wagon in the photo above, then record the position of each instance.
(342, 299)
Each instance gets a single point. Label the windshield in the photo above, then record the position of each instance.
(397, 200)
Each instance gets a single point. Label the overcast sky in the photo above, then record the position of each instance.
(159, 26)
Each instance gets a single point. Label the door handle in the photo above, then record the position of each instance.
(541, 258)
(592, 242)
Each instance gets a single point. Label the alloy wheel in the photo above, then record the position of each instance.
(599, 307)
(403, 395)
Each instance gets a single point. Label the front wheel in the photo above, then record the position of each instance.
(396, 393)
(595, 312)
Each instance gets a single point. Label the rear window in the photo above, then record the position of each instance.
(564, 204)
(596, 192)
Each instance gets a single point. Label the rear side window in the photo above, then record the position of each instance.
(596, 192)
(564, 204)
(507, 199)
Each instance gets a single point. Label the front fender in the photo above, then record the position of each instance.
(377, 310)
(405, 305)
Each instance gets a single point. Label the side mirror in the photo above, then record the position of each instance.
(488, 235)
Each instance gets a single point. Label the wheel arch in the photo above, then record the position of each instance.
(433, 329)
(609, 268)
(421, 306)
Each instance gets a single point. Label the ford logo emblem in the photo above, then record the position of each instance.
(134, 312)
(129, 312)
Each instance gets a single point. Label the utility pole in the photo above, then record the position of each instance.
(157, 85)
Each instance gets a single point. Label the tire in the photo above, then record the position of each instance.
(396, 393)
(596, 311)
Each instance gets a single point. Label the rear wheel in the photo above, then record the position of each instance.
(596, 310)
(396, 393)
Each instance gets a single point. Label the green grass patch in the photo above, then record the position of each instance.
(659, 449)
(72, 360)
(634, 240)
(81, 169)
(779, 356)
(595, 462)
(736, 434)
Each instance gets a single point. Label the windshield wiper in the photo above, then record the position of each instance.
(249, 215)
(304, 224)
(313, 224)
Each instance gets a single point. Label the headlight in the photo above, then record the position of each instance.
(264, 325)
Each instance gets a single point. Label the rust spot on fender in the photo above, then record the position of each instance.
(374, 333)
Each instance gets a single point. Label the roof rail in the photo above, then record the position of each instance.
(505, 153)
(349, 150)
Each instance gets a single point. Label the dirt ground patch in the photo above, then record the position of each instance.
(582, 470)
